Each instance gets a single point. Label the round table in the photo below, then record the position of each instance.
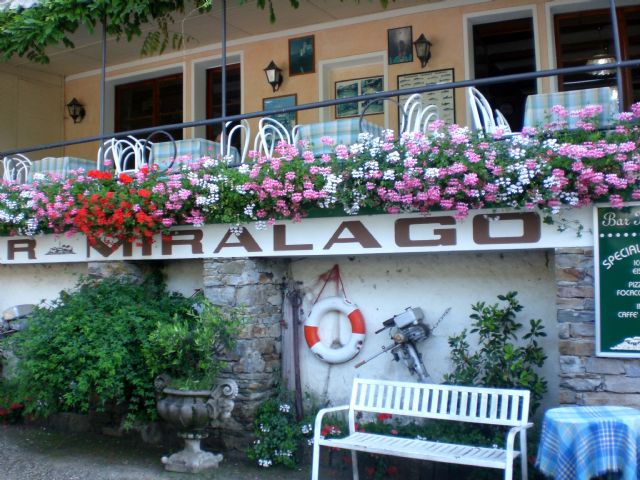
(578, 443)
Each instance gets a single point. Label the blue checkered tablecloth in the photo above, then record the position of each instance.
(343, 131)
(538, 107)
(193, 148)
(578, 443)
(61, 165)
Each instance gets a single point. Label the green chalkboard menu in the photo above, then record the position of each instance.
(617, 280)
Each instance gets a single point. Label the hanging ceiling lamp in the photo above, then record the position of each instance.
(601, 59)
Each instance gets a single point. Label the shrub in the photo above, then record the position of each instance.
(499, 361)
(85, 352)
(188, 349)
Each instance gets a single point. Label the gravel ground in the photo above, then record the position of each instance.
(35, 453)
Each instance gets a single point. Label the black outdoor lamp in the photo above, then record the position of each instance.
(423, 50)
(76, 110)
(274, 75)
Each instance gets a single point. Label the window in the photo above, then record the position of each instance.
(505, 48)
(582, 36)
(149, 103)
(214, 98)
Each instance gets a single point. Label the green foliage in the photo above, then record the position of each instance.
(90, 350)
(11, 410)
(499, 361)
(189, 348)
(28, 32)
(279, 436)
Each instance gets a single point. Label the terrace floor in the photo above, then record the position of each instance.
(37, 453)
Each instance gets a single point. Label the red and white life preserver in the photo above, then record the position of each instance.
(352, 347)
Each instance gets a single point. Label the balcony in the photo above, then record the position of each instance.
(125, 182)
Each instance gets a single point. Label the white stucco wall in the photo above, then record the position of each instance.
(33, 283)
(383, 286)
(21, 284)
(184, 276)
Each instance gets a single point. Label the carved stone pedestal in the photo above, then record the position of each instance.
(192, 459)
(191, 411)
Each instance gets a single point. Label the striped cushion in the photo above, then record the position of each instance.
(343, 131)
(61, 165)
(193, 148)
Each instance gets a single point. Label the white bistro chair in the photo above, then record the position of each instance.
(481, 112)
(16, 168)
(502, 123)
(128, 155)
(482, 115)
(270, 133)
(417, 116)
(244, 130)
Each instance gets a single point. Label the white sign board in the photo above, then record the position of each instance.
(374, 234)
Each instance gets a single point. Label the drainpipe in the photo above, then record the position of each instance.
(223, 71)
(103, 75)
(616, 45)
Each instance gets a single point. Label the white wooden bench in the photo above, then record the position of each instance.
(492, 406)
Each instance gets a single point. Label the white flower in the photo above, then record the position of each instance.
(237, 229)
(285, 408)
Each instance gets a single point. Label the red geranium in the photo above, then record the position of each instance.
(124, 178)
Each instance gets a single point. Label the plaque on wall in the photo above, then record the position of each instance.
(617, 280)
(443, 99)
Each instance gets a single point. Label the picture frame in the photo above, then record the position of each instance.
(356, 87)
(443, 99)
(288, 119)
(399, 45)
(302, 55)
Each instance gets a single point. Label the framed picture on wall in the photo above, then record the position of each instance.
(288, 119)
(443, 99)
(400, 45)
(354, 88)
(302, 58)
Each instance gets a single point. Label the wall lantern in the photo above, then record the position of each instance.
(274, 75)
(423, 50)
(76, 110)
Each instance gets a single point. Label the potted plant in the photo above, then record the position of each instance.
(186, 354)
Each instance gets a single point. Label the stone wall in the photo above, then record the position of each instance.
(256, 284)
(584, 378)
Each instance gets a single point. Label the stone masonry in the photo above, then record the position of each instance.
(257, 285)
(584, 378)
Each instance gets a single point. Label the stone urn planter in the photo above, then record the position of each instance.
(190, 412)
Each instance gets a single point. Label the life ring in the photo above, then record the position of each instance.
(352, 347)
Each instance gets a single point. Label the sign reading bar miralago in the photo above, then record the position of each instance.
(358, 235)
(617, 280)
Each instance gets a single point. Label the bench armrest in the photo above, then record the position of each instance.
(319, 416)
(513, 431)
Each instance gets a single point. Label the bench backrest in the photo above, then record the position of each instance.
(495, 406)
